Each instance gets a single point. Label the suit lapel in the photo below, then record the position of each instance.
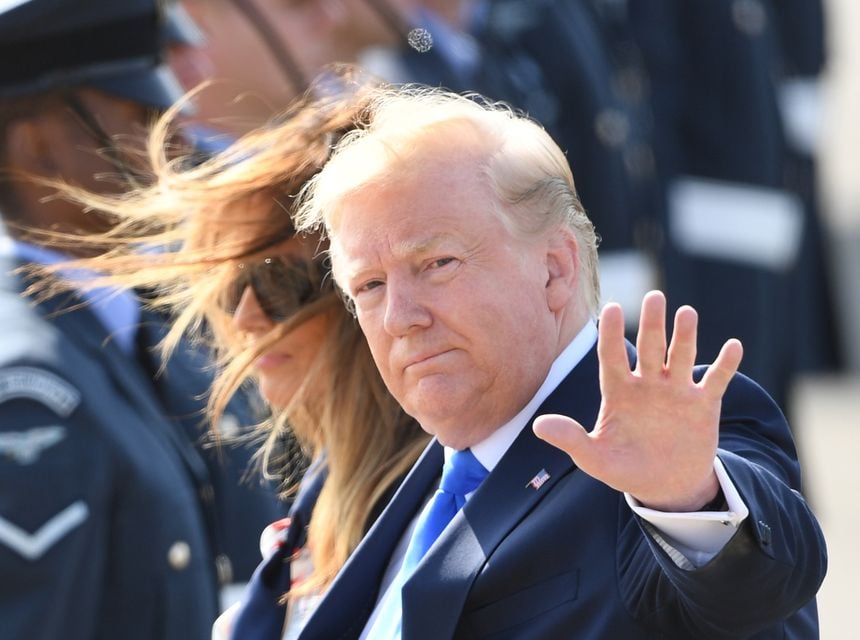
(350, 600)
(434, 597)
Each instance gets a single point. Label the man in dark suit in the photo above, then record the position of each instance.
(458, 237)
(115, 520)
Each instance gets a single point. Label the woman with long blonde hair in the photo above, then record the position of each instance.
(215, 245)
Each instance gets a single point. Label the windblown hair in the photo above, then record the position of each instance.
(526, 170)
(182, 238)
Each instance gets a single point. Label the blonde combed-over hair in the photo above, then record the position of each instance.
(525, 168)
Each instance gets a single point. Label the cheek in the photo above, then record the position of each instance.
(512, 320)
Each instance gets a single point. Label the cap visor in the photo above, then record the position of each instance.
(154, 87)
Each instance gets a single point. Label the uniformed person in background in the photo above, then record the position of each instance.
(733, 229)
(802, 54)
(246, 56)
(116, 521)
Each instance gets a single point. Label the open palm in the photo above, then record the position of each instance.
(657, 430)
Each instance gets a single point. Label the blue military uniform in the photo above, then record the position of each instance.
(580, 96)
(112, 509)
(103, 532)
(116, 518)
(235, 503)
(732, 228)
(801, 34)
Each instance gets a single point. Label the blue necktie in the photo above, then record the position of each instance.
(461, 475)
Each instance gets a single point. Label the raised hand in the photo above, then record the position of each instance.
(657, 430)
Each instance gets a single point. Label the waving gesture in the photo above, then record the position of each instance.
(657, 429)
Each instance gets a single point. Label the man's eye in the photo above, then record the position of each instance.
(441, 262)
(369, 286)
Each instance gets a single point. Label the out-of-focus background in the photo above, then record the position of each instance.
(827, 416)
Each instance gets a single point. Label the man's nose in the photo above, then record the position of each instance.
(249, 316)
(404, 310)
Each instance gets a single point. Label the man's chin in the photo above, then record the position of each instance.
(455, 435)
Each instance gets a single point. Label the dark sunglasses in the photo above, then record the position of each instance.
(282, 286)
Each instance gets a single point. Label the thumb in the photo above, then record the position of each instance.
(562, 432)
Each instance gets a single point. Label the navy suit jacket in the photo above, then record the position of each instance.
(570, 559)
(262, 614)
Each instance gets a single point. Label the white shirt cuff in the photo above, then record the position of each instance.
(700, 535)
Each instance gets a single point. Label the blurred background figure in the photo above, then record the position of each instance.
(116, 519)
(801, 29)
(246, 54)
(743, 240)
(259, 54)
(575, 68)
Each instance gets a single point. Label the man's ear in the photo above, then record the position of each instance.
(562, 264)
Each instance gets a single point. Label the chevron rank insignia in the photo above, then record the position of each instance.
(25, 447)
(33, 546)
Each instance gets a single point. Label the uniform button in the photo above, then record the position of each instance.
(612, 127)
(750, 16)
(179, 555)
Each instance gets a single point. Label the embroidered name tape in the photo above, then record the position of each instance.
(40, 385)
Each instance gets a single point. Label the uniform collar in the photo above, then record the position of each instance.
(118, 310)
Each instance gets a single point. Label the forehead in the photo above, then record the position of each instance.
(421, 180)
(435, 204)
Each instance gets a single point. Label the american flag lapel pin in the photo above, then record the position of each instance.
(538, 481)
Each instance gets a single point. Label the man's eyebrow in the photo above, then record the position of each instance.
(403, 249)
(422, 245)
